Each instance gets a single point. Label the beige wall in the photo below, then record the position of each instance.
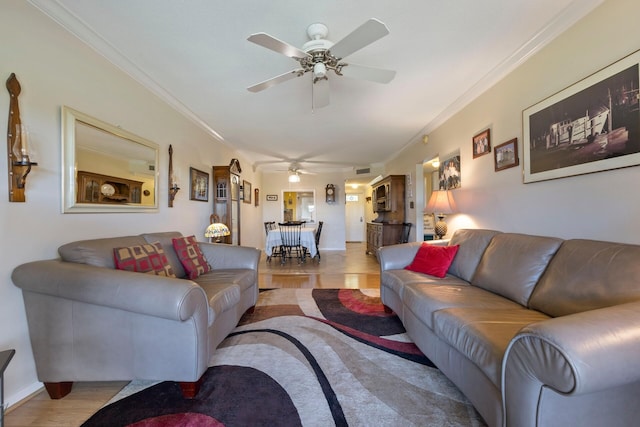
(601, 205)
(54, 69)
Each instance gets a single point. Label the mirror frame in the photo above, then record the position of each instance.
(69, 172)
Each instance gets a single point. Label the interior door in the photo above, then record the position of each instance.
(354, 217)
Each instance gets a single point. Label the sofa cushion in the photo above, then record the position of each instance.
(424, 299)
(147, 258)
(96, 252)
(166, 240)
(483, 334)
(513, 263)
(244, 278)
(190, 256)
(472, 245)
(433, 260)
(587, 275)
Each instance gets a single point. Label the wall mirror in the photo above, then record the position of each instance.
(105, 168)
(299, 205)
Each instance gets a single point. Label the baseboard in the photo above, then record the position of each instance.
(17, 399)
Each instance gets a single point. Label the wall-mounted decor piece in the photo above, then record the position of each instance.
(256, 197)
(199, 185)
(173, 181)
(17, 145)
(506, 155)
(481, 143)
(591, 126)
(272, 198)
(449, 173)
(246, 186)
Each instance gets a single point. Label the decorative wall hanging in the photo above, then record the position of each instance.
(591, 126)
(506, 155)
(256, 197)
(246, 185)
(449, 173)
(272, 198)
(173, 181)
(481, 143)
(199, 185)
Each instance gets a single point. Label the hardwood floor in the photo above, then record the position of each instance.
(337, 269)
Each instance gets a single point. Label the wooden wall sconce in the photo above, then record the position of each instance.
(173, 182)
(17, 145)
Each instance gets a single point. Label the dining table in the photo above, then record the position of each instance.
(307, 240)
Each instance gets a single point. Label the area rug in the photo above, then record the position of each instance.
(305, 357)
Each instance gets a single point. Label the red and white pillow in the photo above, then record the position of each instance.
(148, 258)
(190, 256)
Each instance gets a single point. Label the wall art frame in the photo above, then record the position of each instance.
(246, 186)
(481, 143)
(198, 185)
(505, 155)
(449, 172)
(590, 126)
(271, 197)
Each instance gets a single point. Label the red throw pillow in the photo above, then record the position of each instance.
(433, 260)
(191, 256)
(147, 258)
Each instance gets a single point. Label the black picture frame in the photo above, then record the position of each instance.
(198, 185)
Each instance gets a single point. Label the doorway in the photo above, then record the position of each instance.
(354, 217)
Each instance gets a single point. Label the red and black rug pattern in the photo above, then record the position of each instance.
(305, 357)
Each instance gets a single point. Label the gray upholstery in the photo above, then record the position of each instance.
(91, 322)
(534, 330)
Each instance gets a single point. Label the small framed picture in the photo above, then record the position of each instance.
(481, 143)
(506, 155)
(198, 185)
(246, 187)
(272, 197)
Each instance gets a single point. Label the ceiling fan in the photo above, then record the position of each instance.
(320, 55)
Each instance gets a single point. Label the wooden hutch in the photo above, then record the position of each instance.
(387, 199)
(97, 188)
(226, 198)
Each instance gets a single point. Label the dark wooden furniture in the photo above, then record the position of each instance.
(91, 190)
(5, 358)
(226, 199)
(388, 202)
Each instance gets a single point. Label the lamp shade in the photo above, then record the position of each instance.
(217, 229)
(441, 202)
(294, 177)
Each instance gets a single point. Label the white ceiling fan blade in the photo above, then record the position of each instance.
(275, 80)
(378, 75)
(320, 94)
(270, 42)
(362, 36)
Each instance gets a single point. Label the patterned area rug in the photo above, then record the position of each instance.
(305, 357)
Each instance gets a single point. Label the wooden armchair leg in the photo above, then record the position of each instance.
(190, 389)
(58, 390)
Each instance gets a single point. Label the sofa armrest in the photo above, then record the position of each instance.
(396, 257)
(576, 354)
(147, 294)
(222, 256)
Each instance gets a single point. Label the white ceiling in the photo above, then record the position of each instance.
(195, 55)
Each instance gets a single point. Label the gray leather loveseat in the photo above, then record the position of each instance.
(89, 321)
(535, 331)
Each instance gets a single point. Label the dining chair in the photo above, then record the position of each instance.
(290, 236)
(406, 229)
(275, 251)
(317, 236)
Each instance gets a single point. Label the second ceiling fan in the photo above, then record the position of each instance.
(318, 56)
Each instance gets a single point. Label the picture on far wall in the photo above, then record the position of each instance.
(449, 173)
(506, 155)
(246, 187)
(591, 126)
(198, 185)
(481, 143)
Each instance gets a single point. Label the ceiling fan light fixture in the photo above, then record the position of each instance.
(294, 177)
(319, 70)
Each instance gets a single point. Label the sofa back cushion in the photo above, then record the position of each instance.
(513, 263)
(97, 252)
(165, 240)
(586, 275)
(472, 245)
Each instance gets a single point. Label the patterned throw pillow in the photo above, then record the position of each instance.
(147, 258)
(191, 256)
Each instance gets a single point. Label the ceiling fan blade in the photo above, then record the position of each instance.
(362, 36)
(378, 75)
(270, 42)
(275, 80)
(320, 94)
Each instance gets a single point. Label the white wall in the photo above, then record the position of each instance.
(54, 69)
(601, 205)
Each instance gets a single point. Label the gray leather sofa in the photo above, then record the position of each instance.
(91, 322)
(535, 331)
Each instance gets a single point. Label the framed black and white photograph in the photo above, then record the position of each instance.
(246, 187)
(449, 173)
(506, 155)
(272, 197)
(481, 143)
(591, 126)
(198, 185)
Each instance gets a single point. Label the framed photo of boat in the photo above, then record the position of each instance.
(591, 126)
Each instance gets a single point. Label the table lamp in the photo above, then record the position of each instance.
(217, 230)
(441, 203)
